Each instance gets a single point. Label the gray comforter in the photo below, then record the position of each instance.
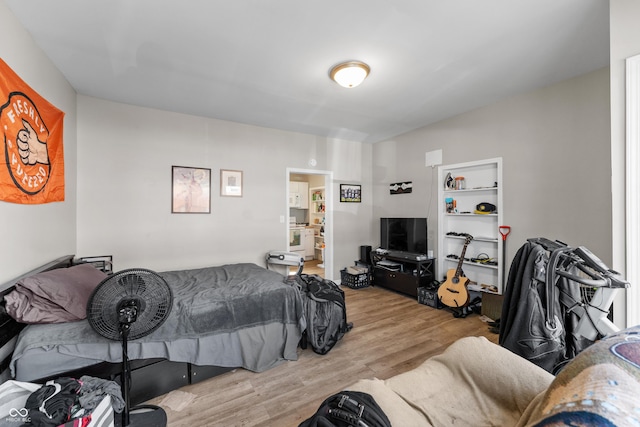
(238, 315)
(228, 298)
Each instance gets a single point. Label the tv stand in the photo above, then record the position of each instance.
(402, 271)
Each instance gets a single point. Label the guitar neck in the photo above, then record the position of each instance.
(462, 254)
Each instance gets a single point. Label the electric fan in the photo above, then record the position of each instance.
(131, 304)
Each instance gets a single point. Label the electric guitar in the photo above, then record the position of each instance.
(453, 292)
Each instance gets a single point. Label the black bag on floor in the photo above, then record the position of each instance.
(325, 311)
(348, 408)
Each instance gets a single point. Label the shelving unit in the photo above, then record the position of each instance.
(406, 276)
(316, 219)
(482, 185)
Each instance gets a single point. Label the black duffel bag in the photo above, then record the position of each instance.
(348, 409)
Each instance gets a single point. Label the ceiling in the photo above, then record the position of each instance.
(266, 62)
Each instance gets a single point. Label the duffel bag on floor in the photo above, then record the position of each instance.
(348, 408)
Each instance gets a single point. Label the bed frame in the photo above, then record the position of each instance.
(149, 377)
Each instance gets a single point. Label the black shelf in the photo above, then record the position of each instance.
(401, 273)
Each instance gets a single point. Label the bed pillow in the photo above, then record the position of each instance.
(54, 296)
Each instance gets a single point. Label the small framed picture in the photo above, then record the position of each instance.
(401, 187)
(190, 190)
(350, 193)
(230, 183)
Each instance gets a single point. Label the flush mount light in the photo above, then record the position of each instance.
(349, 74)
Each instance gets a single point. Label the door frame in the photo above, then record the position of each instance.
(328, 214)
(632, 213)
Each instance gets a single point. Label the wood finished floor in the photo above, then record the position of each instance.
(392, 333)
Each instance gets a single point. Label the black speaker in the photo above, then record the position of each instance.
(365, 254)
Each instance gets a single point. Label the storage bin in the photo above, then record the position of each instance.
(354, 281)
(429, 296)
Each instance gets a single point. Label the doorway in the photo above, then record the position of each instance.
(321, 262)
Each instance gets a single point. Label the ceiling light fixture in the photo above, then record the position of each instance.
(349, 74)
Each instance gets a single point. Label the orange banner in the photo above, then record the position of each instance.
(32, 166)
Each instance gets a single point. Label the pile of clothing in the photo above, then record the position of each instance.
(59, 401)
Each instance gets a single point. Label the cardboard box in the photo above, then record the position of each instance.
(492, 305)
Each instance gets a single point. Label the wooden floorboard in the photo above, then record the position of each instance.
(392, 333)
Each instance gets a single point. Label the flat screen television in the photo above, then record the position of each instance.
(404, 234)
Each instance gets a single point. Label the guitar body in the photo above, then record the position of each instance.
(453, 292)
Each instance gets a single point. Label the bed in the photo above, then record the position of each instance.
(224, 317)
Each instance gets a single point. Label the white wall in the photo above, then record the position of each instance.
(125, 154)
(556, 163)
(625, 42)
(35, 234)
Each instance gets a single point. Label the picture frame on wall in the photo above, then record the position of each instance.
(350, 193)
(190, 190)
(401, 187)
(230, 183)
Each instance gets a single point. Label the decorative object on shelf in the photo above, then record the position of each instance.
(451, 204)
(485, 208)
(449, 182)
(230, 183)
(190, 190)
(350, 193)
(401, 187)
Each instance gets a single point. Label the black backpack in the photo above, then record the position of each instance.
(537, 307)
(325, 311)
(348, 408)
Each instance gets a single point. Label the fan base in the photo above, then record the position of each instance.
(144, 416)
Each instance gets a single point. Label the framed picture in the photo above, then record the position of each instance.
(103, 263)
(230, 183)
(350, 193)
(401, 187)
(190, 190)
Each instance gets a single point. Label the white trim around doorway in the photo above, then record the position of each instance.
(632, 156)
(328, 227)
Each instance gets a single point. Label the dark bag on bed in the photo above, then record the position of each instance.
(325, 311)
(348, 408)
